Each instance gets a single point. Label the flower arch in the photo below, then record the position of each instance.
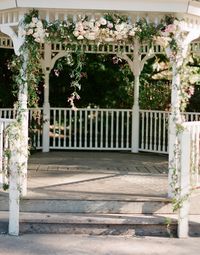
(172, 34)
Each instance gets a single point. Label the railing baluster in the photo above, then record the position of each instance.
(101, 133)
(151, 131)
(91, 129)
(142, 128)
(127, 129)
(70, 128)
(117, 129)
(80, 128)
(59, 128)
(75, 129)
(155, 132)
(86, 117)
(160, 118)
(64, 127)
(122, 129)
(106, 138)
(96, 129)
(1, 154)
(112, 130)
(147, 131)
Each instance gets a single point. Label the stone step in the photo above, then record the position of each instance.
(93, 224)
(137, 205)
(100, 224)
(95, 206)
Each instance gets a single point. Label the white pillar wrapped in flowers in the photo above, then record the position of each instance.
(18, 138)
(183, 37)
(178, 183)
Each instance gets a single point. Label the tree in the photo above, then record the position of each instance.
(7, 97)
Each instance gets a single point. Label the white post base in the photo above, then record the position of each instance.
(135, 129)
(46, 124)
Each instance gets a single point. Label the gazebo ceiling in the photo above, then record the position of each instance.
(11, 11)
(179, 6)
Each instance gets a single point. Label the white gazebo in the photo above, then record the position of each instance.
(135, 53)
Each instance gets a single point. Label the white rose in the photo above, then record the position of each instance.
(119, 27)
(119, 37)
(36, 34)
(32, 25)
(34, 20)
(90, 36)
(39, 24)
(30, 31)
(76, 33)
(97, 24)
(129, 26)
(102, 21)
(80, 37)
(182, 25)
(132, 32)
(110, 25)
(90, 24)
(37, 39)
(95, 29)
(109, 39)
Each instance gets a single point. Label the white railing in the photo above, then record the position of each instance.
(193, 128)
(189, 141)
(154, 131)
(3, 146)
(96, 129)
(100, 129)
(7, 113)
(35, 127)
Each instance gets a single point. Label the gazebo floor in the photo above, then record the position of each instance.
(98, 192)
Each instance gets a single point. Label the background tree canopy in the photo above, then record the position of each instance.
(7, 97)
(106, 82)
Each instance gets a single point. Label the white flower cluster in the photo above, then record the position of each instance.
(103, 30)
(35, 29)
(175, 30)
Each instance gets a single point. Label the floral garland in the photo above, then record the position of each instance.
(110, 28)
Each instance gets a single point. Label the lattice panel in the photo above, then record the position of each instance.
(6, 42)
(10, 17)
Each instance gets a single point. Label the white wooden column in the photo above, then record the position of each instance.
(46, 106)
(175, 117)
(14, 180)
(183, 215)
(23, 120)
(18, 140)
(135, 110)
(136, 65)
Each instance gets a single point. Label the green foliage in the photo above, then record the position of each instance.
(147, 31)
(6, 85)
(5, 186)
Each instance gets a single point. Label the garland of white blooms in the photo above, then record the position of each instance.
(110, 28)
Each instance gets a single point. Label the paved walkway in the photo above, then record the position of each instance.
(97, 175)
(96, 245)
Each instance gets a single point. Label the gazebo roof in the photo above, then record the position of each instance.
(179, 6)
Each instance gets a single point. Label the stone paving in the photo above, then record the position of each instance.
(97, 175)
